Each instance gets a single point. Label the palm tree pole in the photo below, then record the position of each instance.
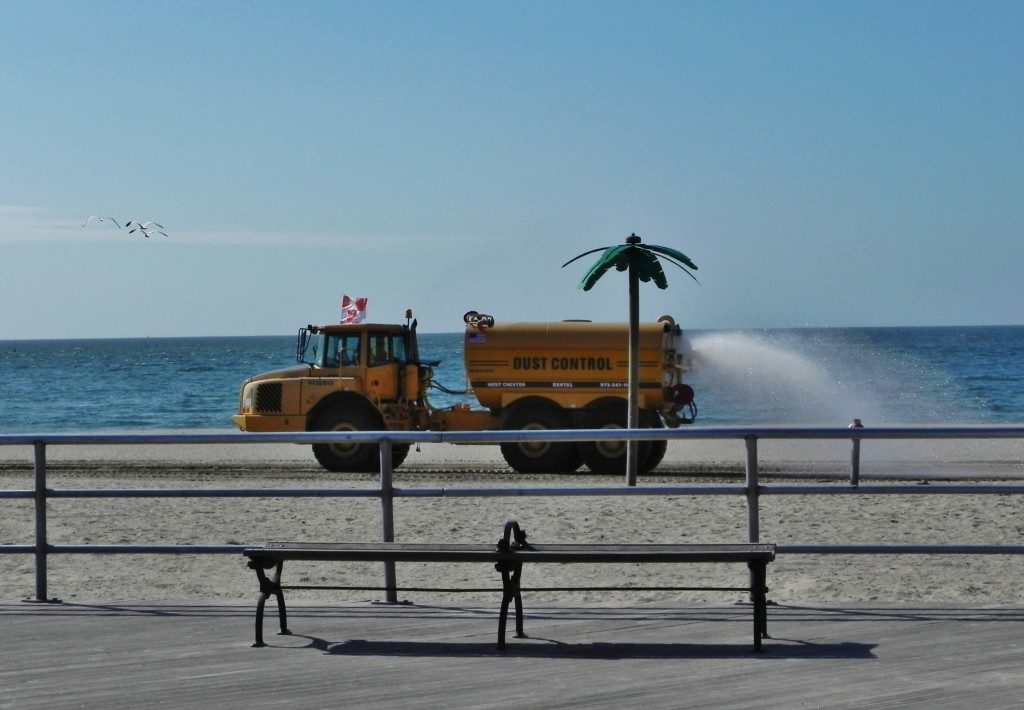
(642, 263)
(633, 397)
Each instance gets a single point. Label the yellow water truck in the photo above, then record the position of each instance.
(562, 375)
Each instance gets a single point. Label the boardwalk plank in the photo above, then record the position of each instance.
(138, 655)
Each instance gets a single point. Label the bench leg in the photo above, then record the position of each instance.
(270, 586)
(516, 574)
(759, 596)
(510, 591)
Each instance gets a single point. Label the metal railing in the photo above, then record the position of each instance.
(752, 489)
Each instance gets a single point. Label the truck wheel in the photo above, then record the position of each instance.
(344, 457)
(540, 456)
(398, 454)
(609, 457)
(658, 447)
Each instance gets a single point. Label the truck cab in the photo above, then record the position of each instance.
(353, 377)
(376, 355)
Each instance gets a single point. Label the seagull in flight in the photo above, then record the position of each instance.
(145, 228)
(102, 219)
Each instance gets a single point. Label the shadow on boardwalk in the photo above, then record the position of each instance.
(197, 655)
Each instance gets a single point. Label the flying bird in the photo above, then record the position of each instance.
(145, 231)
(102, 219)
(145, 228)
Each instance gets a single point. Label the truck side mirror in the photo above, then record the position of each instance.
(300, 347)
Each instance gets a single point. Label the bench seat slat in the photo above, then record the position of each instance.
(425, 552)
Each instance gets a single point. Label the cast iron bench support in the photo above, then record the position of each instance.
(268, 586)
(508, 557)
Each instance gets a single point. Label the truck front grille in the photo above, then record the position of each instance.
(268, 397)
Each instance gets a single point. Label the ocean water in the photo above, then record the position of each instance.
(947, 375)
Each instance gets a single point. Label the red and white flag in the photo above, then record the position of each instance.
(353, 310)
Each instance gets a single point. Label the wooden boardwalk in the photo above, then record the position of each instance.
(365, 655)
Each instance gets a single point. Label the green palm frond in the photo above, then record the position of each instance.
(672, 254)
(580, 256)
(612, 256)
(681, 267)
(643, 256)
(648, 268)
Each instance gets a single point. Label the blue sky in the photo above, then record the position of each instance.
(826, 164)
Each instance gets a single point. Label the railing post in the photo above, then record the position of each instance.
(753, 513)
(387, 501)
(40, 510)
(753, 492)
(855, 455)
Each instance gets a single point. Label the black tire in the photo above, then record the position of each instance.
(400, 451)
(544, 456)
(658, 449)
(608, 457)
(651, 420)
(345, 457)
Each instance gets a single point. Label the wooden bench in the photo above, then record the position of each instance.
(508, 558)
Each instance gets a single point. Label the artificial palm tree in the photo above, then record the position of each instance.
(643, 264)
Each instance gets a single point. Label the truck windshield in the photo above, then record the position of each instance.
(331, 350)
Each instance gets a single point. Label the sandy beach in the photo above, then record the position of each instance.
(965, 519)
